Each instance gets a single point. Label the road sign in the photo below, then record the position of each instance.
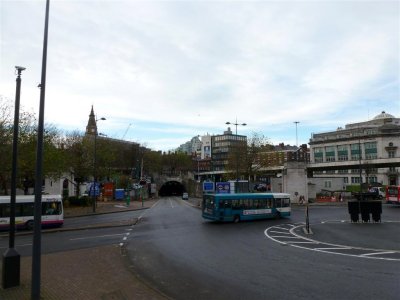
(208, 186)
(223, 187)
(94, 189)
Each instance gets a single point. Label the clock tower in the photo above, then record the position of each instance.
(91, 127)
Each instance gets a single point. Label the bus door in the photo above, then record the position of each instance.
(278, 206)
(225, 209)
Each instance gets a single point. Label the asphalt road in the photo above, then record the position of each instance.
(71, 239)
(186, 257)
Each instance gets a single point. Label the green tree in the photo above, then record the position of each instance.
(6, 136)
(246, 158)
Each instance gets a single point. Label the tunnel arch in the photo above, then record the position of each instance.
(171, 188)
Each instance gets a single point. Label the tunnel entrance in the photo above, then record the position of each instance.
(171, 188)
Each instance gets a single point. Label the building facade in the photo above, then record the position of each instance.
(365, 152)
(222, 145)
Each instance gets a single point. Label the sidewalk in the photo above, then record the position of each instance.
(95, 273)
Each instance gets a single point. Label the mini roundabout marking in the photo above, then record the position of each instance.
(285, 235)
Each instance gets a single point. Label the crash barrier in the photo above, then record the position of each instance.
(367, 209)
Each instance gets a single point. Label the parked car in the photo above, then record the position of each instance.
(185, 196)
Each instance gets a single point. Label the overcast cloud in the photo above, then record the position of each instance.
(176, 69)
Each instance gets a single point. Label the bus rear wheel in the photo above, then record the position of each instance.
(236, 219)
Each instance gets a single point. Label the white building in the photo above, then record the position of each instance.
(337, 153)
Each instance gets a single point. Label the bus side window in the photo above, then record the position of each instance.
(248, 204)
(18, 210)
(27, 209)
(241, 204)
(278, 202)
(286, 202)
(235, 204)
(263, 203)
(269, 203)
(5, 211)
(255, 204)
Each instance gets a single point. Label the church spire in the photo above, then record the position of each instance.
(91, 127)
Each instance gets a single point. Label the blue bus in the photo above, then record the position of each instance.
(246, 206)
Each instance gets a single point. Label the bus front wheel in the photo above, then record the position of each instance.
(236, 219)
(29, 225)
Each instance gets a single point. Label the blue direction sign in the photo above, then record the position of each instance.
(208, 187)
(223, 187)
(94, 189)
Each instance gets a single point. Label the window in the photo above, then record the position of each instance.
(319, 159)
(343, 154)
(391, 154)
(328, 184)
(355, 180)
(370, 145)
(330, 153)
(370, 150)
(371, 156)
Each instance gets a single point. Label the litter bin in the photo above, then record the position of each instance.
(119, 194)
(354, 210)
(365, 207)
(376, 210)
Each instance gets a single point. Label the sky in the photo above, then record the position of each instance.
(162, 72)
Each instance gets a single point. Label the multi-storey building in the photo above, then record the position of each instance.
(222, 145)
(364, 152)
(278, 155)
(192, 147)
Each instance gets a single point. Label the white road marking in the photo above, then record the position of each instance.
(97, 236)
(333, 248)
(378, 253)
(170, 202)
(301, 243)
(280, 232)
(330, 248)
(145, 211)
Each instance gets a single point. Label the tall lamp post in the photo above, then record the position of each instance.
(237, 154)
(37, 209)
(11, 258)
(94, 167)
(296, 122)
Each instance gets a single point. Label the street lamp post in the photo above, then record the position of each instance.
(237, 154)
(94, 167)
(296, 122)
(11, 258)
